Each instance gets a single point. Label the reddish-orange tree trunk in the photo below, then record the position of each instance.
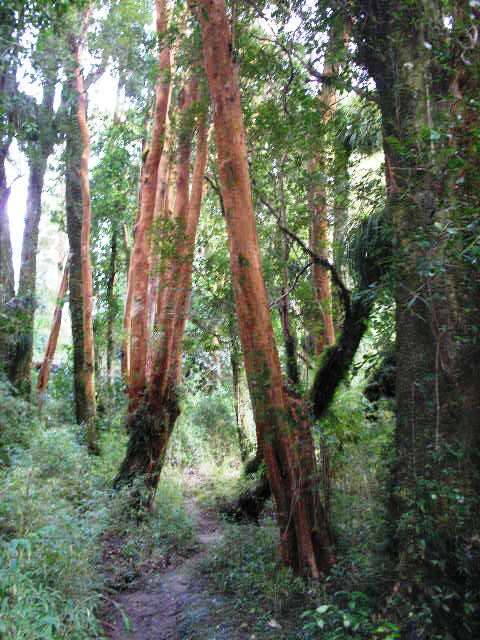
(44, 374)
(86, 266)
(136, 321)
(152, 423)
(161, 220)
(282, 426)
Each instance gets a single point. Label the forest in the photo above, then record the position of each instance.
(239, 319)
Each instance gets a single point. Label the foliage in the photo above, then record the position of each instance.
(52, 510)
(353, 618)
(246, 564)
(206, 430)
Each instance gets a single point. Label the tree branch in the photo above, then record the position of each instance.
(344, 292)
(294, 284)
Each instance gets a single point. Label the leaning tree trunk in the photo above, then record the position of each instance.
(282, 425)
(136, 323)
(44, 373)
(152, 423)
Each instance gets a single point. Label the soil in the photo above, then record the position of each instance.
(158, 602)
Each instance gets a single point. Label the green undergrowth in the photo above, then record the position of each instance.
(52, 509)
(167, 531)
(56, 511)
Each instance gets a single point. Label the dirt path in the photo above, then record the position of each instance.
(172, 604)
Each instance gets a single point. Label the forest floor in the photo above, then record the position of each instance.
(173, 597)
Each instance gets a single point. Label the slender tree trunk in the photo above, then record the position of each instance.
(289, 337)
(7, 283)
(324, 333)
(73, 200)
(238, 401)
(44, 374)
(341, 199)
(20, 369)
(111, 304)
(282, 423)
(38, 153)
(137, 296)
(86, 292)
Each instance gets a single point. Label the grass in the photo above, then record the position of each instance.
(52, 510)
(56, 510)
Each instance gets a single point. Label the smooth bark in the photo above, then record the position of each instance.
(152, 423)
(282, 425)
(88, 372)
(136, 325)
(112, 308)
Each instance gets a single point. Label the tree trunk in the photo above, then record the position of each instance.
(137, 295)
(86, 288)
(430, 127)
(324, 332)
(20, 368)
(73, 201)
(340, 203)
(112, 307)
(282, 425)
(238, 401)
(162, 216)
(44, 373)
(153, 421)
(289, 337)
(7, 282)
(38, 152)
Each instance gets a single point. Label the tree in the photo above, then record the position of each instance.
(77, 197)
(136, 320)
(425, 60)
(41, 127)
(152, 422)
(282, 426)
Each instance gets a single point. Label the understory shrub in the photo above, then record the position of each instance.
(52, 511)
